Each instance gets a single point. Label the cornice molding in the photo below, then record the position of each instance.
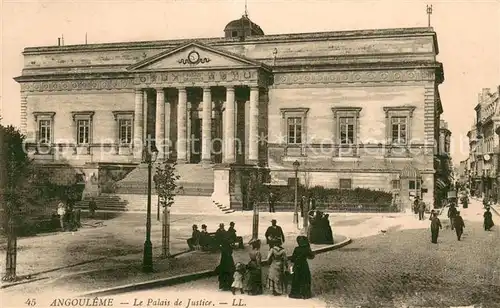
(354, 76)
(75, 85)
(118, 114)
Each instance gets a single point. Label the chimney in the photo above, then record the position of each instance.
(58, 41)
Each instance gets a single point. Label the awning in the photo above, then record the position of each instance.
(440, 184)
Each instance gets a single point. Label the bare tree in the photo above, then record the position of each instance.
(166, 182)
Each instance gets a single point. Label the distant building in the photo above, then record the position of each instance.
(444, 168)
(487, 144)
(355, 108)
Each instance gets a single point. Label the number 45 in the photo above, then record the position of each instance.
(30, 302)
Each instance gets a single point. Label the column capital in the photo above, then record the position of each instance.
(230, 88)
(138, 90)
(181, 89)
(254, 88)
(207, 88)
(160, 89)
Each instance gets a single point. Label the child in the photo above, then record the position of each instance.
(238, 278)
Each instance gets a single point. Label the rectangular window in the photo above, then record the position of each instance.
(346, 130)
(83, 131)
(125, 131)
(395, 184)
(345, 183)
(411, 184)
(294, 130)
(399, 128)
(44, 133)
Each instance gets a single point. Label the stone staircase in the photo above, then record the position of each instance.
(195, 180)
(195, 187)
(138, 203)
(105, 202)
(195, 205)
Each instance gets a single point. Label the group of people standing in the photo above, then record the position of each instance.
(248, 278)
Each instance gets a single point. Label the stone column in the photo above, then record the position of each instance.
(206, 130)
(168, 141)
(229, 129)
(160, 123)
(253, 135)
(181, 126)
(145, 129)
(138, 123)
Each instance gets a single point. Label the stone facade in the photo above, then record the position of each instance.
(248, 90)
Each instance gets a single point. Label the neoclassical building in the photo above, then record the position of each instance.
(355, 108)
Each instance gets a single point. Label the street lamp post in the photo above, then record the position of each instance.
(296, 166)
(149, 157)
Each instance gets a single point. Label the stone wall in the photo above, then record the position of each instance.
(393, 45)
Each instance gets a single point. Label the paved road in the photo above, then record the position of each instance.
(399, 268)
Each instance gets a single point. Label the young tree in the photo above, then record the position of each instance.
(165, 180)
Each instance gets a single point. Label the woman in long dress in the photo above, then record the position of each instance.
(278, 264)
(226, 267)
(253, 285)
(301, 277)
(488, 220)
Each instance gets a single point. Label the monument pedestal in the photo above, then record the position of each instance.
(235, 186)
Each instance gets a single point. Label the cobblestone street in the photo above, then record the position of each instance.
(396, 269)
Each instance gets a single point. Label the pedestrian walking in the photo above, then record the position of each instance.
(459, 225)
(421, 210)
(278, 265)
(301, 274)
(274, 233)
(416, 202)
(486, 202)
(226, 267)
(435, 227)
(92, 207)
(452, 212)
(303, 204)
(312, 203)
(61, 211)
(465, 201)
(272, 202)
(253, 285)
(238, 277)
(488, 220)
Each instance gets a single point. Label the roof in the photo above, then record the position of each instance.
(242, 22)
(311, 36)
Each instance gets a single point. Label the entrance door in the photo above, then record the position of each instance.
(196, 142)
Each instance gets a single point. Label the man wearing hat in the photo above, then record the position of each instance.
(459, 225)
(274, 233)
(233, 237)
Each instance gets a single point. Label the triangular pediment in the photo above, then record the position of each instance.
(194, 55)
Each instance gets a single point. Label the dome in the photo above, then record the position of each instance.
(242, 27)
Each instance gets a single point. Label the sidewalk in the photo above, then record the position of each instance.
(89, 258)
(111, 254)
(126, 271)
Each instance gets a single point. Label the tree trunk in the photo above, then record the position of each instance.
(11, 255)
(255, 222)
(165, 234)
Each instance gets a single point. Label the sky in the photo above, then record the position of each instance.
(468, 35)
